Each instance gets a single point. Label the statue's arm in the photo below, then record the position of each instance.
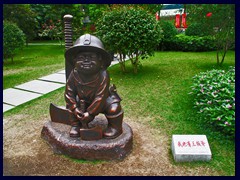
(70, 93)
(100, 97)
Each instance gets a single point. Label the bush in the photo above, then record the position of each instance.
(13, 39)
(169, 32)
(129, 31)
(182, 42)
(214, 98)
(195, 43)
(196, 29)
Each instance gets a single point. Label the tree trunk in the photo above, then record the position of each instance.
(122, 67)
(219, 63)
(122, 63)
(217, 57)
(223, 57)
(135, 70)
(224, 52)
(134, 61)
(135, 65)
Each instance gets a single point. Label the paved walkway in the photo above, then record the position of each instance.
(26, 92)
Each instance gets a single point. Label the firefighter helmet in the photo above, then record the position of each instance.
(88, 43)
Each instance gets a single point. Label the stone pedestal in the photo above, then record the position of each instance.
(186, 148)
(57, 136)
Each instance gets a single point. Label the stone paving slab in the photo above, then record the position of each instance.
(114, 62)
(60, 78)
(16, 97)
(7, 107)
(38, 86)
(186, 148)
(61, 72)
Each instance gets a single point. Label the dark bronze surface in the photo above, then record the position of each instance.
(68, 33)
(56, 135)
(91, 134)
(88, 91)
(63, 115)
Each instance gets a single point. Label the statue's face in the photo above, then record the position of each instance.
(88, 62)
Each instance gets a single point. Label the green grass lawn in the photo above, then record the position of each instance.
(158, 94)
(31, 63)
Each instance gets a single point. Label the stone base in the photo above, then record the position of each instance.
(57, 136)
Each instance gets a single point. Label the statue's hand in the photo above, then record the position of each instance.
(87, 117)
(78, 113)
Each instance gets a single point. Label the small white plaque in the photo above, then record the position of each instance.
(187, 148)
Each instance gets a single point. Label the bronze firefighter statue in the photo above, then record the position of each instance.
(77, 129)
(88, 91)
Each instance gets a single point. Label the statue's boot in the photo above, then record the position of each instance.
(114, 128)
(75, 129)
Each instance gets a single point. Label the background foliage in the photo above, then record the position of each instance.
(23, 17)
(218, 20)
(196, 29)
(169, 32)
(13, 39)
(130, 31)
(51, 15)
(214, 98)
(193, 43)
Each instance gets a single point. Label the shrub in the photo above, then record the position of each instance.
(195, 43)
(169, 32)
(53, 30)
(129, 31)
(196, 29)
(214, 98)
(13, 39)
(182, 42)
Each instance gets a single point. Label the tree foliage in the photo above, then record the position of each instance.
(128, 30)
(51, 15)
(196, 29)
(169, 32)
(219, 21)
(23, 17)
(13, 39)
(53, 30)
(95, 11)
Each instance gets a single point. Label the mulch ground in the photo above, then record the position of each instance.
(26, 154)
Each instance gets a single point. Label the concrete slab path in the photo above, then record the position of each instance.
(16, 97)
(42, 87)
(60, 78)
(28, 91)
(7, 107)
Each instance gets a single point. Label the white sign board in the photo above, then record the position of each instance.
(187, 148)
